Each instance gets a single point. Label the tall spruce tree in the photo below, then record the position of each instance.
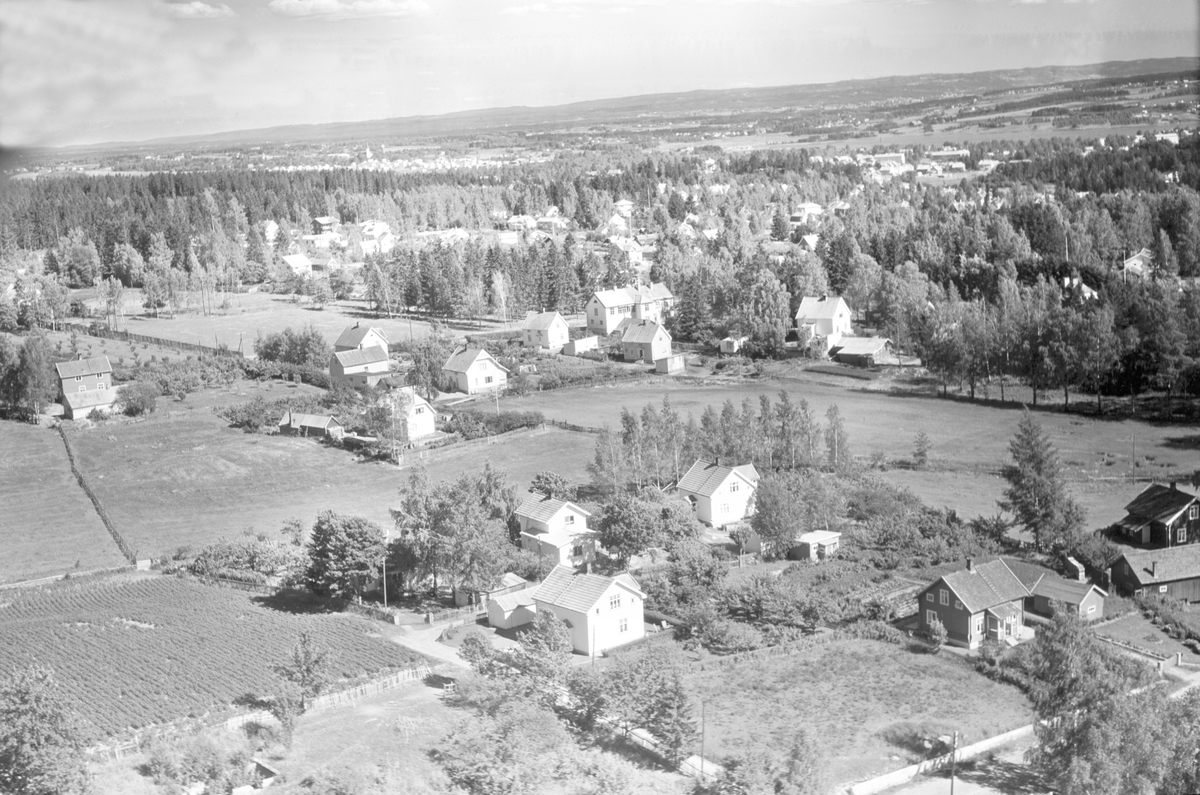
(1037, 493)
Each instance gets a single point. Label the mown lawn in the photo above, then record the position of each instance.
(47, 524)
(862, 699)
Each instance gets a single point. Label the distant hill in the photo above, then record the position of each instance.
(678, 105)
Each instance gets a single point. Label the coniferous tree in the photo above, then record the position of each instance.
(1037, 494)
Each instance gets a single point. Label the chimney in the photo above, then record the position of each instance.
(824, 297)
(970, 565)
(1154, 568)
(587, 567)
(1174, 486)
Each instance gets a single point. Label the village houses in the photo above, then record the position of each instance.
(474, 370)
(1161, 516)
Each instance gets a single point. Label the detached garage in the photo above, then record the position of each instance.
(861, 351)
(512, 610)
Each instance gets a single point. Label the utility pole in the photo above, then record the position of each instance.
(953, 762)
(701, 742)
(385, 546)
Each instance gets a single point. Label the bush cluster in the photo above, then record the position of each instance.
(476, 424)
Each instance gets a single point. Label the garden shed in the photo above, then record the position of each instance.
(670, 364)
(817, 545)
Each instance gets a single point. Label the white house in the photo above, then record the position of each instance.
(1138, 265)
(733, 344)
(645, 341)
(511, 610)
(359, 337)
(628, 246)
(377, 238)
(601, 613)
(420, 418)
(624, 207)
(719, 494)
(825, 317)
(607, 308)
(300, 264)
(359, 367)
(555, 529)
(545, 330)
(474, 370)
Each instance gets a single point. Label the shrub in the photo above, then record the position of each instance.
(474, 424)
(937, 635)
(97, 415)
(138, 397)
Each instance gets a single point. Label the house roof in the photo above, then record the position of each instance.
(76, 367)
(90, 399)
(511, 601)
(1065, 591)
(358, 357)
(1030, 574)
(643, 332)
(1176, 563)
(704, 477)
(623, 296)
(542, 321)
(541, 508)
(296, 420)
(1005, 610)
(1159, 503)
(461, 361)
(570, 590)
(353, 336)
(297, 261)
(822, 308)
(859, 346)
(985, 585)
(564, 538)
(818, 537)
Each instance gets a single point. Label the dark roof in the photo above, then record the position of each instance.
(1159, 503)
(1177, 563)
(984, 586)
(297, 420)
(353, 336)
(357, 357)
(77, 367)
(1065, 591)
(1030, 574)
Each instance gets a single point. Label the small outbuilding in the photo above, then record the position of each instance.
(512, 610)
(581, 345)
(817, 545)
(861, 351)
(733, 344)
(296, 424)
(670, 364)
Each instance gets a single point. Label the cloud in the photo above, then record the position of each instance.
(198, 10)
(349, 9)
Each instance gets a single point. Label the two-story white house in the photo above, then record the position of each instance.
(606, 309)
(355, 367)
(720, 495)
(826, 317)
(546, 330)
(555, 529)
(359, 337)
(601, 613)
(645, 341)
(419, 417)
(474, 370)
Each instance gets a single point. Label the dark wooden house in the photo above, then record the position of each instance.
(1159, 572)
(1161, 516)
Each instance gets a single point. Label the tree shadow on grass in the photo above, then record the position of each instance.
(298, 603)
(1000, 775)
(1189, 442)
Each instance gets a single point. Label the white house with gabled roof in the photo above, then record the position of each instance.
(474, 370)
(359, 337)
(606, 309)
(601, 613)
(355, 367)
(555, 529)
(547, 330)
(719, 494)
(827, 318)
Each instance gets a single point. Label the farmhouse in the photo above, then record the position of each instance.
(85, 385)
(628, 247)
(474, 370)
(825, 317)
(978, 602)
(1161, 516)
(299, 264)
(359, 337)
(645, 342)
(601, 613)
(607, 309)
(366, 367)
(555, 529)
(1160, 572)
(295, 424)
(719, 494)
(1045, 588)
(861, 351)
(545, 330)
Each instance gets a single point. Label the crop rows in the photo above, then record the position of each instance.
(155, 650)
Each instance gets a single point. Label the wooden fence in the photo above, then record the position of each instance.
(96, 330)
(126, 550)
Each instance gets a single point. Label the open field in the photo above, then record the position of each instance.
(47, 524)
(146, 650)
(970, 440)
(861, 699)
(189, 479)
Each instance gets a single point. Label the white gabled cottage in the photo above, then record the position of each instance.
(474, 370)
(555, 529)
(719, 494)
(601, 613)
(545, 330)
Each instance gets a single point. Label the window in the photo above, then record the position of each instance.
(1162, 589)
(614, 601)
(979, 625)
(725, 507)
(624, 625)
(1183, 535)
(944, 597)
(78, 378)
(1091, 609)
(612, 310)
(569, 519)
(930, 617)
(929, 596)
(577, 550)
(487, 379)
(83, 388)
(957, 605)
(420, 410)
(733, 487)
(1194, 512)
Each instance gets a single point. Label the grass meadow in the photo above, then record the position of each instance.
(970, 440)
(865, 701)
(137, 651)
(48, 526)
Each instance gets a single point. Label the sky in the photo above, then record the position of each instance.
(91, 71)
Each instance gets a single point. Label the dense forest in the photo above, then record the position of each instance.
(1011, 276)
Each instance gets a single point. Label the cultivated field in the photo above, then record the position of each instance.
(863, 700)
(970, 441)
(47, 524)
(188, 479)
(135, 652)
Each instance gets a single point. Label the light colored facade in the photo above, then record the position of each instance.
(581, 345)
(720, 495)
(545, 330)
(555, 529)
(601, 613)
(420, 418)
(606, 309)
(359, 367)
(359, 337)
(299, 264)
(645, 341)
(474, 370)
(377, 238)
(826, 316)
